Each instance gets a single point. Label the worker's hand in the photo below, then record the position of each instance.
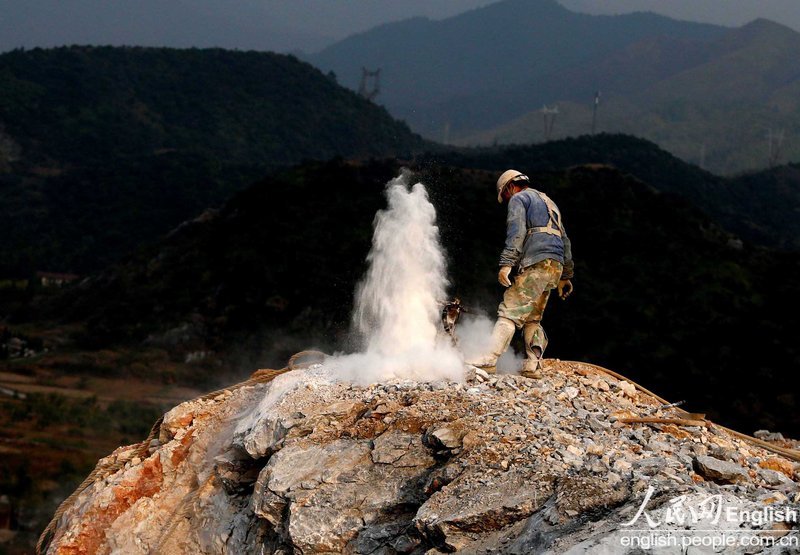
(564, 288)
(502, 276)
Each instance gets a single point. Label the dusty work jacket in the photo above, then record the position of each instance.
(535, 232)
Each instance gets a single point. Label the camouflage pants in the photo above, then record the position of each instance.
(524, 302)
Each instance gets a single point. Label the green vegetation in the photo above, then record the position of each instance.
(107, 149)
(760, 207)
(85, 416)
(82, 220)
(663, 293)
(83, 105)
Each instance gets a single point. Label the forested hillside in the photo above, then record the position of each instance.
(78, 105)
(662, 292)
(761, 207)
(729, 105)
(105, 149)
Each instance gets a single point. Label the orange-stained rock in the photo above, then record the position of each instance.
(180, 453)
(145, 482)
(780, 465)
(185, 420)
(675, 432)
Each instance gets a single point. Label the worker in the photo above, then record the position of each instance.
(538, 249)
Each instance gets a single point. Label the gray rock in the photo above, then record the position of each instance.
(719, 471)
(766, 435)
(450, 520)
(428, 469)
(774, 478)
(724, 454)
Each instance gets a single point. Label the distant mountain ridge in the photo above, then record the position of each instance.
(708, 94)
(484, 56)
(728, 105)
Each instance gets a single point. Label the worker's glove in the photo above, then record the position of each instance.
(502, 276)
(564, 288)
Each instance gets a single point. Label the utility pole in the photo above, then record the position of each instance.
(364, 89)
(549, 117)
(594, 111)
(775, 143)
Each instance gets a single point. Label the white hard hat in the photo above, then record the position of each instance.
(507, 177)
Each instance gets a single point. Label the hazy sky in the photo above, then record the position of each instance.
(287, 25)
(281, 25)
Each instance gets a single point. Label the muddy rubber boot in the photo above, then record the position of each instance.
(535, 344)
(501, 337)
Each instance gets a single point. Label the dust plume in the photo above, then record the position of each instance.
(396, 318)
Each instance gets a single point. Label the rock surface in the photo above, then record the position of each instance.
(500, 464)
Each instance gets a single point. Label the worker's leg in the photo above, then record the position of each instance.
(541, 278)
(519, 301)
(535, 338)
(524, 296)
(501, 337)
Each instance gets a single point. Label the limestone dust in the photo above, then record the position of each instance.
(474, 331)
(396, 318)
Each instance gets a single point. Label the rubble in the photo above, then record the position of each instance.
(719, 470)
(500, 464)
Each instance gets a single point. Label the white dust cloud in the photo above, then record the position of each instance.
(397, 312)
(474, 333)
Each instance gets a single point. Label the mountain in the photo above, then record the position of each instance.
(105, 149)
(728, 104)
(484, 67)
(732, 13)
(760, 207)
(77, 105)
(661, 284)
(307, 463)
(663, 294)
(725, 99)
(274, 25)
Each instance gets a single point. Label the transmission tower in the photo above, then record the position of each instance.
(370, 77)
(549, 117)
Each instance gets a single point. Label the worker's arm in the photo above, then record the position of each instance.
(569, 264)
(565, 287)
(515, 232)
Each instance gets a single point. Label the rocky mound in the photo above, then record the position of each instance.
(495, 465)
